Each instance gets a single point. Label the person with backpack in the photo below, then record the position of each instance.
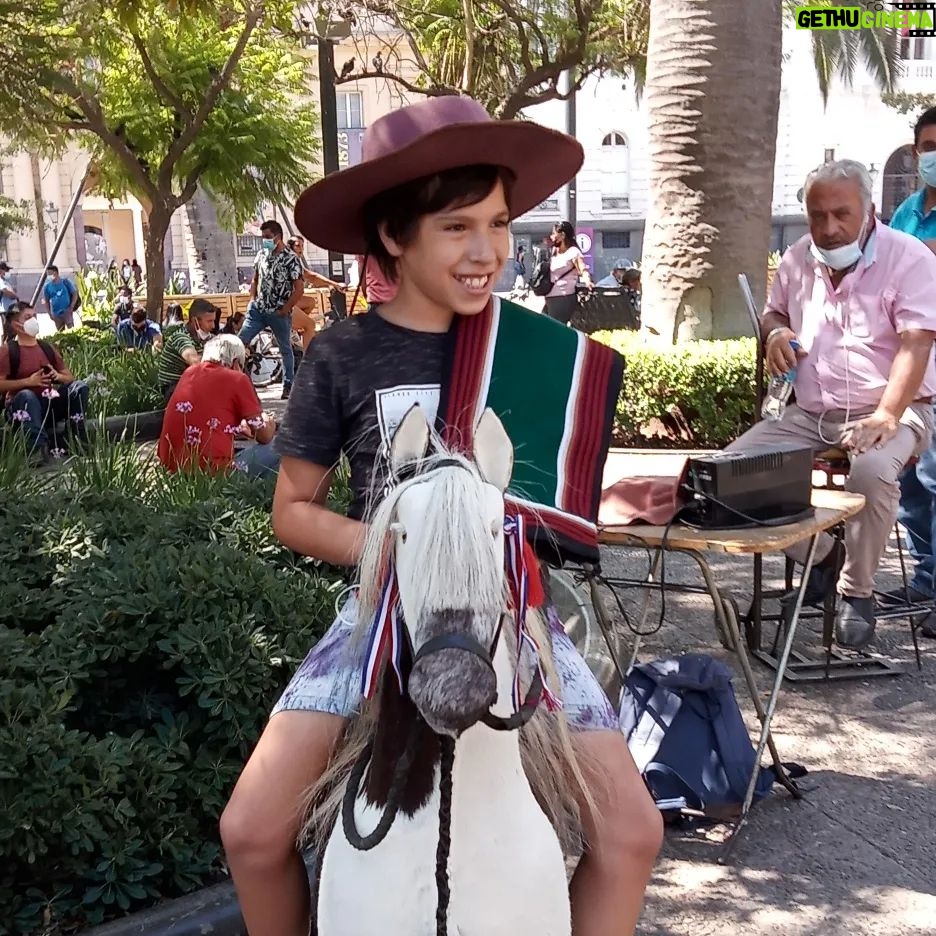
(39, 390)
(431, 203)
(61, 299)
(566, 265)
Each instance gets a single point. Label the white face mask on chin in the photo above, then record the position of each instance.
(204, 335)
(840, 258)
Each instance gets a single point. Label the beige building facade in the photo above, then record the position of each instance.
(104, 231)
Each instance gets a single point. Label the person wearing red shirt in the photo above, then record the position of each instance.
(213, 402)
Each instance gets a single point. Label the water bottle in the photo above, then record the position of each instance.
(778, 392)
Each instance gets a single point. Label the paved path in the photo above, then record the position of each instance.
(857, 856)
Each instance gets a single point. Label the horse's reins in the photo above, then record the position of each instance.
(450, 641)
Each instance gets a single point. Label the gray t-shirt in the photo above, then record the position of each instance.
(356, 382)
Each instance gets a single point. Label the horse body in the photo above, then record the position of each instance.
(506, 869)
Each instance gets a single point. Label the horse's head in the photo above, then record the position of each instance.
(446, 523)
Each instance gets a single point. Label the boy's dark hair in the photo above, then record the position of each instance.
(272, 227)
(52, 269)
(138, 316)
(401, 208)
(927, 119)
(125, 290)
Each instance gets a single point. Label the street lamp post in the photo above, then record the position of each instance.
(329, 117)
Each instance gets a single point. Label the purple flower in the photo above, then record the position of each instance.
(57, 453)
(256, 422)
(213, 423)
(231, 430)
(21, 415)
(77, 418)
(50, 393)
(193, 435)
(183, 407)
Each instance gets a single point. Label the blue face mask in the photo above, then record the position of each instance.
(927, 168)
(268, 243)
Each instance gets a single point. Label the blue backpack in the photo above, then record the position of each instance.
(686, 734)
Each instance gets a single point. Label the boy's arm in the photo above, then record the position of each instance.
(303, 522)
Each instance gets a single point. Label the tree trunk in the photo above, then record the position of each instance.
(713, 90)
(40, 207)
(154, 245)
(211, 257)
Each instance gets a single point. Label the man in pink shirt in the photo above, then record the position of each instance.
(860, 299)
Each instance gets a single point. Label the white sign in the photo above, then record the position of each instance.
(584, 242)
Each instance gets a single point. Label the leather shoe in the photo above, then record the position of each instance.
(820, 583)
(854, 622)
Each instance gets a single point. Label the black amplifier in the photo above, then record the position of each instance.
(763, 486)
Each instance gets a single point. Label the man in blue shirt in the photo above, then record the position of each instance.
(916, 215)
(138, 332)
(60, 296)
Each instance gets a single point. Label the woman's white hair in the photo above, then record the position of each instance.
(842, 169)
(225, 350)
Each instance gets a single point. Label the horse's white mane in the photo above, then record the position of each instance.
(462, 573)
(461, 569)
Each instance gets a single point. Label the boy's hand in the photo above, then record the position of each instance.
(40, 380)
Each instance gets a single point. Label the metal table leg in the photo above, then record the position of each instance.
(765, 735)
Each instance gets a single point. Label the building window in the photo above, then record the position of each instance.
(615, 170)
(248, 245)
(615, 240)
(350, 110)
(829, 154)
(912, 48)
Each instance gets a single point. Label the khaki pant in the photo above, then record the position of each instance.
(873, 474)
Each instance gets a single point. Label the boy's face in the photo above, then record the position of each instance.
(457, 255)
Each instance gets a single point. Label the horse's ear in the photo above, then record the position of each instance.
(493, 450)
(410, 442)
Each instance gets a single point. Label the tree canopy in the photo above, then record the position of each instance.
(164, 100)
(508, 54)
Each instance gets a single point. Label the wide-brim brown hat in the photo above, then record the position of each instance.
(420, 140)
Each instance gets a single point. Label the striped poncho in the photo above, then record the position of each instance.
(555, 390)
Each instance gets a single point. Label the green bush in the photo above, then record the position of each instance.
(147, 625)
(700, 394)
(120, 382)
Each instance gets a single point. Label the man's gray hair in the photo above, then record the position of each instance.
(842, 169)
(224, 350)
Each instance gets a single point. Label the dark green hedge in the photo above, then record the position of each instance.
(697, 395)
(146, 628)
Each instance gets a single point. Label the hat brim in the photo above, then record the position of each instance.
(330, 213)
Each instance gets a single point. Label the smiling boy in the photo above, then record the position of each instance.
(431, 203)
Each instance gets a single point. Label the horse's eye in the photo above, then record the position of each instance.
(403, 536)
(495, 528)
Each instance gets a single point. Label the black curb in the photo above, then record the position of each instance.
(141, 427)
(213, 910)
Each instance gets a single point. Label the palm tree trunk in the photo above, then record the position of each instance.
(212, 260)
(713, 89)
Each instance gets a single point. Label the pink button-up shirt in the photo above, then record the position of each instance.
(851, 335)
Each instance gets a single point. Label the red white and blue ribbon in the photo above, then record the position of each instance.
(386, 633)
(518, 558)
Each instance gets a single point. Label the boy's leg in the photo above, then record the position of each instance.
(624, 836)
(261, 822)
(623, 839)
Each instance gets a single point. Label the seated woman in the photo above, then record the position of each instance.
(213, 402)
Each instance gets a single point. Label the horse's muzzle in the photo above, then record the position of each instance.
(452, 682)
